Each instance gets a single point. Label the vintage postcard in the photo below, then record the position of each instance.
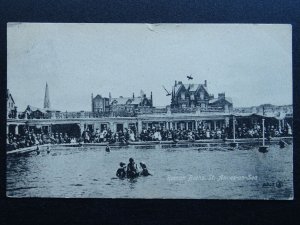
(171, 111)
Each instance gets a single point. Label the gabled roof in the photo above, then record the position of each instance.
(214, 100)
(8, 95)
(98, 96)
(177, 88)
(189, 87)
(33, 109)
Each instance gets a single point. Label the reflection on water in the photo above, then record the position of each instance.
(179, 171)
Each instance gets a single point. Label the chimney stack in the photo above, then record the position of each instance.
(221, 95)
(151, 98)
(205, 83)
(133, 95)
(175, 83)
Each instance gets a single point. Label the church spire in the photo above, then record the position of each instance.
(47, 98)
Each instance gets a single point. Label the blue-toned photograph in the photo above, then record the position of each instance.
(149, 111)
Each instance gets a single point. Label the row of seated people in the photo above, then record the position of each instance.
(29, 138)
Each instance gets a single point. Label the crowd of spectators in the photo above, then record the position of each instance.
(207, 133)
(30, 138)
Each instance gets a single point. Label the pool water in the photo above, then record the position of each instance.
(179, 171)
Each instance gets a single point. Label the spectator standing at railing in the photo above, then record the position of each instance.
(132, 136)
(207, 134)
(101, 137)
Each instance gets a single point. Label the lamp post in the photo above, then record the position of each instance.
(233, 144)
(263, 148)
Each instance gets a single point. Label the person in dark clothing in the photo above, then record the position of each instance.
(37, 150)
(144, 171)
(48, 150)
(121, 172)
(132, 169)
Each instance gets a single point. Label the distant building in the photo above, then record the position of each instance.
(221, 102)
(11, 106)
(100, 104)
(190, 95)
(120, 104)
(32, 112)
(197, 95)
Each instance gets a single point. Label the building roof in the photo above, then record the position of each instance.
(189, 87)
(120, 101)
(214, 100)
(8, 95)
(45, 110)
(98, 96)
(176, 88)
(33, 109)
(137, 100)
(193, 87)
(127, 101)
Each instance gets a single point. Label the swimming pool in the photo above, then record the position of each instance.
(179, 171)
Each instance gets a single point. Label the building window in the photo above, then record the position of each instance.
(201, 95)
(192, 97)
(182, 95)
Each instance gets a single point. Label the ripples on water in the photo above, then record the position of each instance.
(179, 171)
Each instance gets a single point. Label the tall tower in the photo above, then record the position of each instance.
(47, 97)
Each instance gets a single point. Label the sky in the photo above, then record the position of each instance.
(251, 63)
